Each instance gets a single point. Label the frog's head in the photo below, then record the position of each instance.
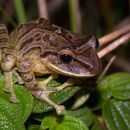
(75, 56)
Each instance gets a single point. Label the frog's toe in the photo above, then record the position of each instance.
(59, 109)
(7, 89)
(14, 99)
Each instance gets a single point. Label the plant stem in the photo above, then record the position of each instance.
(7, 17)
(20, 11)
(42, 6)
(75, 19)
(114, 45)
(106, 68)
(113, 35)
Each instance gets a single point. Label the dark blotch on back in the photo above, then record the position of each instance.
(45, 37)
(25, 43)
(37, 37)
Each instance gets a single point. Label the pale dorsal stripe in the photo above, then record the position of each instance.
(4, 38)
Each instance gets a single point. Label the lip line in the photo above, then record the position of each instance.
(54, 68)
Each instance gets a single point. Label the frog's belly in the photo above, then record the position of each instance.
(40, 69)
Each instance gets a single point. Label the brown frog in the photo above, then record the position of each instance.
(40, 48)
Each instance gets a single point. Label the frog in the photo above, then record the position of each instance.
(40, 48)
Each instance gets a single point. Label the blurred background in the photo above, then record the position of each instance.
(90, 17)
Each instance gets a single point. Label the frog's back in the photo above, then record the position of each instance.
(28, 37)
(38, 36)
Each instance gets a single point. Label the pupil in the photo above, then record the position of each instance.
(66, 58)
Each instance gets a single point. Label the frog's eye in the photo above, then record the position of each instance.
(65, 56)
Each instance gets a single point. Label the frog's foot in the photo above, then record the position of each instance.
(13, 98)
(9, 86)
(44, 95)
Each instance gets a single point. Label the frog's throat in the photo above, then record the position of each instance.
(66, 73)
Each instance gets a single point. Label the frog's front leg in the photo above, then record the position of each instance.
(7, 65)
(69, 82)
(24, 68)
(44, 84)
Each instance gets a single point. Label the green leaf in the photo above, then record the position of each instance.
(14, 115)
(121, 85)
(33, 127)
(104, 89)
(96, 124)
(84, 114)
(116, 85)
(9, 117)
(59, 97)
(66, 122)
(117, 115)
(25, 104)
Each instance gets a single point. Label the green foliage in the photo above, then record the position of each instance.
(87, 117)
(114, 104)
(115, 92)
(13, 116)
(33, 127)
(71, 120)
(116, 85)
(62, 123)
(117, 114)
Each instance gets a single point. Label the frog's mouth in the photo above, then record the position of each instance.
(62, 71)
